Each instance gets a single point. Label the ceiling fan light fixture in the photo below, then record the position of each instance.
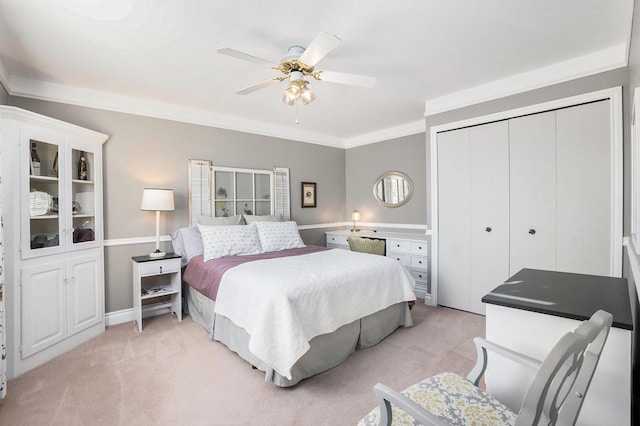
(298, 89)
(307, 94)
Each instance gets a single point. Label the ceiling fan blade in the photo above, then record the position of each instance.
(319, 48)
(257, 87)
(244, 56)
(350, 79)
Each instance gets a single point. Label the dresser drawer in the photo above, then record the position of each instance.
(404, 259)
(398, 245)
(337, 239)
(338, 246)
(158, 267)
(419, 275)
(419, 262)
(420, 247)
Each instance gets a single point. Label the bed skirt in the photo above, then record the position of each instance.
(326, 351)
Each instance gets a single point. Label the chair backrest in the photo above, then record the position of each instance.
(367, 245)
(558, 389)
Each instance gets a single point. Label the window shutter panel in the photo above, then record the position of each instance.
(282, 203)
(199, 190)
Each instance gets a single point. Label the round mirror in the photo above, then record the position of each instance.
(393, 189)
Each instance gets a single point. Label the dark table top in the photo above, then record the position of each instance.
(563, 294)
(148, 258)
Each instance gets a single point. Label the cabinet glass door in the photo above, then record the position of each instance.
(44, 223)
(82, 205)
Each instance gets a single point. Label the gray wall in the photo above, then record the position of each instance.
(144, 151)
(4, 97)
(366, 163)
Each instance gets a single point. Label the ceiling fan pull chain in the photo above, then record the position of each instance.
(297, 111)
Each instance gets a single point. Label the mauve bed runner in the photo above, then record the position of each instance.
(205, 276)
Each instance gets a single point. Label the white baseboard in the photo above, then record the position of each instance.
(127, 315)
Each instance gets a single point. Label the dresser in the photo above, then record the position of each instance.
(412, 250)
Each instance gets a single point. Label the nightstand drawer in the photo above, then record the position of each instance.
(159, 267)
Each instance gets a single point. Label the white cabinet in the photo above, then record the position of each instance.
(534, 191)
(53, 236)
(60, 299)
(412, 250)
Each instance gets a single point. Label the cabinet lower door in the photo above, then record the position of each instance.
(44, 307)
(86, 303)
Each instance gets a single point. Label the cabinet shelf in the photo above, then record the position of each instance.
(45, 216)
(44, 178)
(149, 293)
(83, 182)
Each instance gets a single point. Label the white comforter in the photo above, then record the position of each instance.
(283, 303)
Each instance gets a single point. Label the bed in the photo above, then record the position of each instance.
(289, 309)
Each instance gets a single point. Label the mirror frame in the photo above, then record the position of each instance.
(388, 174)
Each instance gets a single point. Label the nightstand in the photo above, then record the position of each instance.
(155, 278)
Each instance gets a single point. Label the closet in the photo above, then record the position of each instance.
(530, 189)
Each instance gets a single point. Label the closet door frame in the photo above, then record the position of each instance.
(614, 96)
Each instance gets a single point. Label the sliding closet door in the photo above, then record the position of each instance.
(584, 189)
(453, 219)
(489, 210)
(532, 146)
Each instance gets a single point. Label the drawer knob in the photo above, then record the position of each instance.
(487, 229)
(419, 247)
(532, 231)
(161, 269)
(397, 258)
(419, 275)
(420, 262)
(397, 245)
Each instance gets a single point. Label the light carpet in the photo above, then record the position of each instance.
(171, 373)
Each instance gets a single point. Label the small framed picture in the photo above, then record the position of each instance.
(308, 194)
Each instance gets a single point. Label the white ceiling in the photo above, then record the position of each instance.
(158, 58)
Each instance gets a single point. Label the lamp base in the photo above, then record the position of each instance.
(355, 230)
(157, 253)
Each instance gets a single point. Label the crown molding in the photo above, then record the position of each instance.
(601, 61)
(582, 66)
(54, 92)
(407, 129)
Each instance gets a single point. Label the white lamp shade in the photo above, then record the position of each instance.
(155, 199)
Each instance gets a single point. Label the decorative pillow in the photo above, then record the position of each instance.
(220, 221)
(220, 241)
(248, 218)
(276, 236)
(187, 242)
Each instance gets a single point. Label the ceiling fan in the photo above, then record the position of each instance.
(299, 63)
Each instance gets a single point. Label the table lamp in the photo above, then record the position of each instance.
(154, 199)
(355, 216)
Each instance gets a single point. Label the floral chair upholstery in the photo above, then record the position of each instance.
(555, 395)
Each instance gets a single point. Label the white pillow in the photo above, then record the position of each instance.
(248, 218)
(187, 243)
(219, 221)
(276, 236)
(220, 241)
